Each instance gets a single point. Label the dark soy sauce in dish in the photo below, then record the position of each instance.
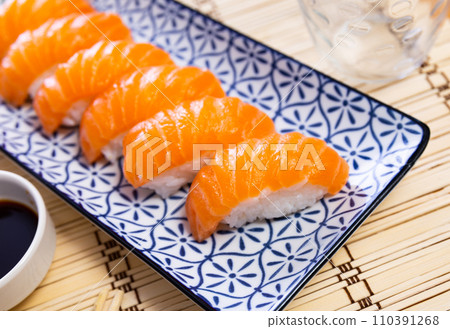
(18, 225)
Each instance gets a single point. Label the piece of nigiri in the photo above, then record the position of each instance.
(35, 54)
(18, 16)
(181, 137)
(63, 97)
(136, 98)
(267, 178)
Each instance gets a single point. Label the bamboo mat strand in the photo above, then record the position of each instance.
(397, 260)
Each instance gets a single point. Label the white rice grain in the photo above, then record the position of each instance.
(273, 204)
(171, 180)
(113, 150)
(34, 87)
(75, 113)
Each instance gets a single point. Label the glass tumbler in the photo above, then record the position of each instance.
(375, 40)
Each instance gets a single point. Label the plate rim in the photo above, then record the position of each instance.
(328, 255)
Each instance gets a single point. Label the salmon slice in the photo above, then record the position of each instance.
(18, 16)
(36, 53)
(272, 177)
(136, 98)
(63, 97)
(208, 124)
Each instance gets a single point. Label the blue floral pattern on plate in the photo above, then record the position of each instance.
(261, 265)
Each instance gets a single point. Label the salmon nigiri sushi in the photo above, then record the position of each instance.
(192, 131)
(17, 16)
(136, 98)
(267, 178)
(35, 54)
(64, 96)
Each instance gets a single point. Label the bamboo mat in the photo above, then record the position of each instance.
(398, 260)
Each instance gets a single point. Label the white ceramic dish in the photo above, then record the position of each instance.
(18, 283)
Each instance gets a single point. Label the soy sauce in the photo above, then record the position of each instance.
(18, 225)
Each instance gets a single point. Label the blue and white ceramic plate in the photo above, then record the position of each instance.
(261, 266)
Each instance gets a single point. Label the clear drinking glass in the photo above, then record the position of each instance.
(375, 40)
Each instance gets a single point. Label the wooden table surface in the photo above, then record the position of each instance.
(397, 260)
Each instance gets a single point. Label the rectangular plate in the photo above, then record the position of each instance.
(263, 265)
